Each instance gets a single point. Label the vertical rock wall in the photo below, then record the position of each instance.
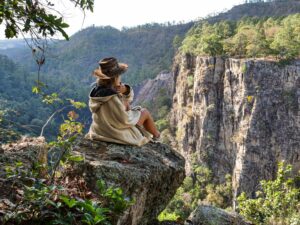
(237, 116)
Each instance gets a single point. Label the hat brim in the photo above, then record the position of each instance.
(122, 68)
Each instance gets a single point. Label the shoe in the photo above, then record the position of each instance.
(156, 139)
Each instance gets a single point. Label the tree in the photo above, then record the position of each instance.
(287, 40)
(38, 18)
(177, 41)
(211, 45)
(277, 202)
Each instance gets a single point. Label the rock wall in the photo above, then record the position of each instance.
(237, 116)
(151, 89)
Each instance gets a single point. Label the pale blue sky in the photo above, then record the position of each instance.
(120, 13)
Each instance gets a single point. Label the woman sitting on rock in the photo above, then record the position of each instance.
(109, 102)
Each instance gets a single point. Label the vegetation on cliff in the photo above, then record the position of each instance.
(198, 188)
(248, 37)
(278, 201)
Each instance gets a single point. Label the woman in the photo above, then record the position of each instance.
(109, 102)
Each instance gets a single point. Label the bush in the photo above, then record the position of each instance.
(197, 188)
(277, 203)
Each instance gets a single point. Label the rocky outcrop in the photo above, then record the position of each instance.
(150, 174)
(151, 89)
(237, 116)
(210, 215)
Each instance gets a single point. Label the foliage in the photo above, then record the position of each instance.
(25, 112)
(190, 80)
(278, 202)
(196, 188)
(59, 199)
(38, 18)
(248, 37)
(162, 124)
(168, 216)
(61, 203)
(7, 134)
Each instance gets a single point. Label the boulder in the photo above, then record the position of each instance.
(149, 174)
(210, 215)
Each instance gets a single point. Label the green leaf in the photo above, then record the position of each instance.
(77, 105)
(64, 34)
(69, 202)
(75, 158)
(36, 90)
(10, 32)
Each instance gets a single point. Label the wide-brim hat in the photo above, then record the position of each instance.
(109, 68)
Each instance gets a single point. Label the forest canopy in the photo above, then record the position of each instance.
(248, 37)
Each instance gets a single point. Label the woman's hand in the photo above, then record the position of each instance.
(121, 88)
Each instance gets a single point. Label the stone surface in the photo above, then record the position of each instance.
(210, 215)
(26, 150)
(151, 89)
(149, 174)
(237, 116)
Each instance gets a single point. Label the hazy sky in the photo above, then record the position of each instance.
(120, 13)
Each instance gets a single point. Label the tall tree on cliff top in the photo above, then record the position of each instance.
(38, 18)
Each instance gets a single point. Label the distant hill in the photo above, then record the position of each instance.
(259, 9)
(14, 43)
(148, 49)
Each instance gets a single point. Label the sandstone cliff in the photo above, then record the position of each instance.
(237, 116)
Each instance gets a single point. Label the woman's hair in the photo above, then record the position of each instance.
(107, 82)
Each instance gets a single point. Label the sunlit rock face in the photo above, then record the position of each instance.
(237, 116)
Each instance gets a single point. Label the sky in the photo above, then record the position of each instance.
(128, 13)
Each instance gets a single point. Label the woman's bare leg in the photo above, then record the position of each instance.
(147, 121)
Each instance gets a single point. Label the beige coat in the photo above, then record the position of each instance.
(112, 123)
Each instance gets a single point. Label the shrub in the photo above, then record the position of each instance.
(277, 203)
(197, 188)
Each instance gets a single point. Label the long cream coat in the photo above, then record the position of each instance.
(112, 123)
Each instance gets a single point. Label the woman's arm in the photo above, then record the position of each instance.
(121, 118)
(127, 94)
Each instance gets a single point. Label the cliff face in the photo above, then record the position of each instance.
(151, 89)
(237, 116)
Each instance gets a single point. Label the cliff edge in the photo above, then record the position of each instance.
(149, 174)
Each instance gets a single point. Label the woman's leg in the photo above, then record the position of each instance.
(147, 121)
